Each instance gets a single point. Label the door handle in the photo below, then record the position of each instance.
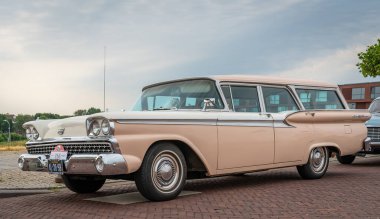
(266, 114)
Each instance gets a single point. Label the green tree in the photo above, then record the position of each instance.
(19, 121)
(80, 112)
(3, 124)
(369, 64)
(93, 110)
(47, 116)
(90, 111)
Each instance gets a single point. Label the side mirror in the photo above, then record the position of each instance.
(208, 102)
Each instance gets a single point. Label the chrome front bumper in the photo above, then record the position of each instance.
(89, 164)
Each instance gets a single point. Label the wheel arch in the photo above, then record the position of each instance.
(332, 147)
(194, 160)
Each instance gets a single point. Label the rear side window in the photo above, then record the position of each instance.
(278, 100)
(319, 99)
(242, 98)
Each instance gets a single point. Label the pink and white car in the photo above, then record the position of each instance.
(200, 127)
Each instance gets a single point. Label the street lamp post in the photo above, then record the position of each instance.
(9, 130)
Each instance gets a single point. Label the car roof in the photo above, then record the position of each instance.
(255, 79)
(270, 80)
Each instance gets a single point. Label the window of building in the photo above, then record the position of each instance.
(375, 92)
(358, 93)
(321, 96)
(352, 105)
(305, 97)
(274, 99)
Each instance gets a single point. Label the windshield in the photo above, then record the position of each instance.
(180, 95)
(375, 106)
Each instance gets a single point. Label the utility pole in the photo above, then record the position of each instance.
(104, 85)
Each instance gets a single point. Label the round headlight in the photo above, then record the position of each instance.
(29, 135)
(106, 127)
(34, 133)
(95, 128)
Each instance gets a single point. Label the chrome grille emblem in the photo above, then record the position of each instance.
(61, 131)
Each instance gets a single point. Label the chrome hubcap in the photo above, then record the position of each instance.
(167, 171)
(318, 159)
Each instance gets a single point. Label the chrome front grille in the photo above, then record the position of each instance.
(72, 148)
(374, 134)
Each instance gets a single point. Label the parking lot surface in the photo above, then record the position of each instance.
(346, 191)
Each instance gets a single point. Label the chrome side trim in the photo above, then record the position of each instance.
(245, 123)
(281, 124)
(169, 122)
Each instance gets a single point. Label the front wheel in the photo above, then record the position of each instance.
(317, 165)
(83, 184)
(348, 159)
(162, 174)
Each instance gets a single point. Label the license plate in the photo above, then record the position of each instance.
(56, 166)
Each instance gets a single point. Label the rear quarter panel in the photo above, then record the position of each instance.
(342, 129)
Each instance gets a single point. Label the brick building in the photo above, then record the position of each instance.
(360, 96)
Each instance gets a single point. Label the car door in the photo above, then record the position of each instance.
(291, 140)
(245, 134)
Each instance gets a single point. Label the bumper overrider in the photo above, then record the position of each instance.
(91, 163)
(371, 146)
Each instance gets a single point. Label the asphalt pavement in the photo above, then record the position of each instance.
(346, 191)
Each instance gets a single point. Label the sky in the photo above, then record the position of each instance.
(52, 52)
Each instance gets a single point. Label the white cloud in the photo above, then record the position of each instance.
(51, 53)
(337, 66)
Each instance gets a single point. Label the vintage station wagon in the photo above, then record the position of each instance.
(200, 127)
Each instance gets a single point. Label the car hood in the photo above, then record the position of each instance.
(77, 127)
(374, 121)
(68, 127)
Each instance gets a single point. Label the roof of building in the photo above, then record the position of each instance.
(353, 84)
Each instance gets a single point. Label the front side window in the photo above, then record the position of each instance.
(278, 100)
(357, 93)
(319, 99)
(242, 98)
(179, 95)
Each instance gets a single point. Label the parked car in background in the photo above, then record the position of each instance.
(200, 127)
(373, 126)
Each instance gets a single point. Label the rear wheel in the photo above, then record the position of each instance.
(317, 165)
(83, 184)
(348, 159)
(162, 174)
